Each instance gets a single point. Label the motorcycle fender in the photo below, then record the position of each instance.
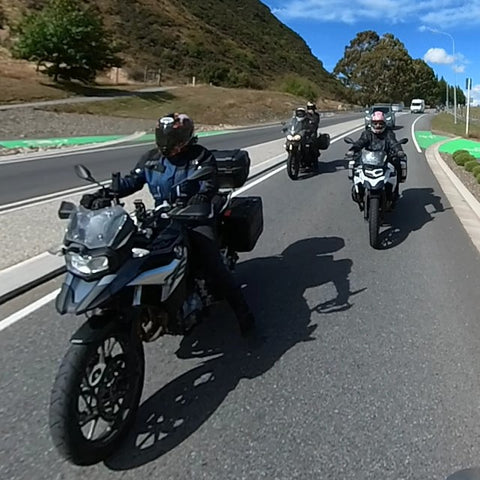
(78, 296)
(377, 186)
(96, 329)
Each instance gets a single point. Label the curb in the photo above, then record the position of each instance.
(465, 205)
(29, 274)
(60, 151)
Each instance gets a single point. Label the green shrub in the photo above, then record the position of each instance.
(299, 86)
(478, 178)
(459, 152)
(463, 158)
(476, 171)
(470, 165)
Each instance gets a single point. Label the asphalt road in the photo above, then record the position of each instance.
(30, 179)
(366, 365)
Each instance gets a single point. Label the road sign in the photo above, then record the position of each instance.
(468, 83)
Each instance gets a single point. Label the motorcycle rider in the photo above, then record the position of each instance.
(175, 157)
(379, 138)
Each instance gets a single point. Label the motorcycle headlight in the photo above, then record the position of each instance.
(289, 138)
(297, 137)
(86, 264)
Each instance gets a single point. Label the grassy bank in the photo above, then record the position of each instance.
(444, 124)
(206, 105)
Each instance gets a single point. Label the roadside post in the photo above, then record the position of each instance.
(468, 86)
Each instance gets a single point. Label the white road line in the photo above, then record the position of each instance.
(15, 317)
(33, 202)
(417, 146)
(10, 320)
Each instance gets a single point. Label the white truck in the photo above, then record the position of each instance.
(417, 105)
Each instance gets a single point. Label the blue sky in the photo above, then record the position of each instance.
(328, 26)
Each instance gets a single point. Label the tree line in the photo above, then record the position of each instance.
(379, 69)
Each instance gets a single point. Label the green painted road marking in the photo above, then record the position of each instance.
(56, 142)
(150, 137)
(462, 144)
(425, 139)
(73, 141)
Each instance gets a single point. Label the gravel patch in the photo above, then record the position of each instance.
(33, 123)
(465, 177)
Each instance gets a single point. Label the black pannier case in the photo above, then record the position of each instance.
(323, 141)
(243, 223)
(233, 167)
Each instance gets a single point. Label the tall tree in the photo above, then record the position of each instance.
(66, 41)
(348, 69)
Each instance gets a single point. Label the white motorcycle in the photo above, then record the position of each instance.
(375, 186)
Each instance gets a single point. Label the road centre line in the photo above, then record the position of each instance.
(20, 314)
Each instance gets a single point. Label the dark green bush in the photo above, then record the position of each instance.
(299, 86)
(463, 158)
(478, 178)
(470, 165)
(459, 152)
(476, 170)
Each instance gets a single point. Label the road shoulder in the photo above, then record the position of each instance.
(464, 203)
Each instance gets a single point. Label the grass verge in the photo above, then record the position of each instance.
(444, 123)
(206, 105)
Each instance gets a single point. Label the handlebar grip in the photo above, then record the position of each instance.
(115, 187)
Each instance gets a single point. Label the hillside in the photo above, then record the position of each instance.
(226, 42)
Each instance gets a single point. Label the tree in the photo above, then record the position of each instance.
(380, 69)
(66, 41)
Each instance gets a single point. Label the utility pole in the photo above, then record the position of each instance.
(469, 86)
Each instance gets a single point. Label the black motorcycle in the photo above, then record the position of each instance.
(299, 144)
(132, 292)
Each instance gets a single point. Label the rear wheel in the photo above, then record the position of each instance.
(374, 221)
(293, 165)
(95, 397)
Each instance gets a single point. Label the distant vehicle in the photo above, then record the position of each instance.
(417, 105)
(397, 107)
(386, 109)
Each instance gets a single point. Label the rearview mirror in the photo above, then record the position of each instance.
(348, 140)
(65, 210)
(403, 141)
(84, 173)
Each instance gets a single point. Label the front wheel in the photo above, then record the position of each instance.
(374, 220)
(293, 165)
(95, 397)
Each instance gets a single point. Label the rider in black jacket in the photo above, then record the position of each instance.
(177, 155)
(379, 138)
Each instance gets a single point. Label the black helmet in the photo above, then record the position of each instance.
(311, 106)
(173, 133)
(300, 112)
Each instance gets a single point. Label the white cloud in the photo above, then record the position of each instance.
(439, 13)
(438, 56)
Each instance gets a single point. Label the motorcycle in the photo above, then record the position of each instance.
(300, 148)
(375, 186)
(132, 290)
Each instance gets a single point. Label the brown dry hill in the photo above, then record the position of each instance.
(228, 42)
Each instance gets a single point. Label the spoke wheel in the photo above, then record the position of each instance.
(293, 165)
(95, 396)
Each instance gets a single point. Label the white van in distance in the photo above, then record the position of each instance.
(417, 105)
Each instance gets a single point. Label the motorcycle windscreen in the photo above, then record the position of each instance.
(98, 228)
(373, 159)
(296, 125)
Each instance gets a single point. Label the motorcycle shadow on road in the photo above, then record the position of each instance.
(275, 289)
(333, 166)
(410, 215)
